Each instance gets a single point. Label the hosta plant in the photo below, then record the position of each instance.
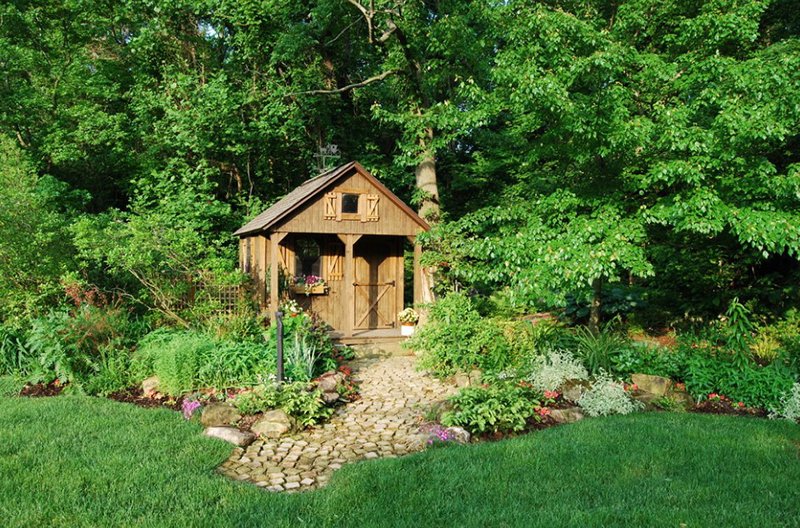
(500, 407)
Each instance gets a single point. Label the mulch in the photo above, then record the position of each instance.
(41, 390)
(137, 397)
(727, 407)
(132, 395)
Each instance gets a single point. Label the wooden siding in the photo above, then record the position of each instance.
(381, 216)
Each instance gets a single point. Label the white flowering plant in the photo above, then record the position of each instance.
(408, 316)
(608, 396)
(550, 370)
(789, 407)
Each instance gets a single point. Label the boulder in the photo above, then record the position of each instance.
(461, 380)
(231, 434)
(475, 377)
(568, 415)
(330, 397)
(572, 390)
(682, 397)
(459, 434)
(656, 385)
(150, 386)
(273, 424)
(328, 382)
(219, 414)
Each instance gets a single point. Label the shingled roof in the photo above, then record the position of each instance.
(310, 189)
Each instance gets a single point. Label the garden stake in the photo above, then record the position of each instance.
(279, 330)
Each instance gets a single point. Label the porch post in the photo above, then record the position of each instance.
(418, 297)
(349, 290)
(274, 270)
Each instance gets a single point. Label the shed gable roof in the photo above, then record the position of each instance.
(313, 188)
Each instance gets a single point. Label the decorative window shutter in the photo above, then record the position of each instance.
(330, 206)
(333, 267)
(362, 206)
(338, 207)
(371, 211)
(284, 258)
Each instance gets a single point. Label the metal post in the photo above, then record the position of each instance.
(279, 342)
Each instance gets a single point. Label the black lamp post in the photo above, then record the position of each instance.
(279, 343)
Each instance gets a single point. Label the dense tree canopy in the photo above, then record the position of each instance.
(561, 147)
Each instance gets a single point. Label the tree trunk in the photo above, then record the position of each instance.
(594, 310)
(425, 173)
(426, 180)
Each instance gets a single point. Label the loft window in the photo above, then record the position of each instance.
(350, 203)
(307, 257)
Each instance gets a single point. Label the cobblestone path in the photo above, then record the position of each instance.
(383, 423)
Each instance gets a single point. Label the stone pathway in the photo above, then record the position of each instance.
(383, 423)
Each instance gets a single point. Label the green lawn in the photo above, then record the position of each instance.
(73, 461)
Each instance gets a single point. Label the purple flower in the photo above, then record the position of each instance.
(189, 407)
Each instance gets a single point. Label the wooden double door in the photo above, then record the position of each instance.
(378, 282)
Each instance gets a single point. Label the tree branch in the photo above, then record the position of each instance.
(349, 87)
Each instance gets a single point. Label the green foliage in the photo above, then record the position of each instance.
(500, 407)
(14, 357)
(294, 398)
(189, 360)
(752, 384)
(87, 348)
(307, 347)
(598, 350)
(657, 361)
(456, 337)
(34, 249)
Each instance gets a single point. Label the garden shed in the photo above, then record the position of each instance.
(336, 245)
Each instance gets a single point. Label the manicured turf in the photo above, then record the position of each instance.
(72, 461)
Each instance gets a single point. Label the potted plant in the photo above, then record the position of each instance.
(309, 285)
(408, 320)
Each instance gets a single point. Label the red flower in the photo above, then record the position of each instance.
(551, 394)
(740, 404)
(543, 411)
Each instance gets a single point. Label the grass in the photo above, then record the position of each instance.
(79, 461)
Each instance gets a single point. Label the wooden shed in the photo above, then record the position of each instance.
(349, 229)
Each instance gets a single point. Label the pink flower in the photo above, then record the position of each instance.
(551, 395)
(713, 396)
(543, 411)
(740, 404)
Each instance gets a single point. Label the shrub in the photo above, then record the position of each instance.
(190, 360)
(789, 405)
(648, 359)
(717, 371)
(87, 348)
(551, 370)
(607, 396)
(294, 398)
(456, 338)
(493, 408)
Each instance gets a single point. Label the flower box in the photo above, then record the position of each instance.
(407, 329)
(318, 289)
